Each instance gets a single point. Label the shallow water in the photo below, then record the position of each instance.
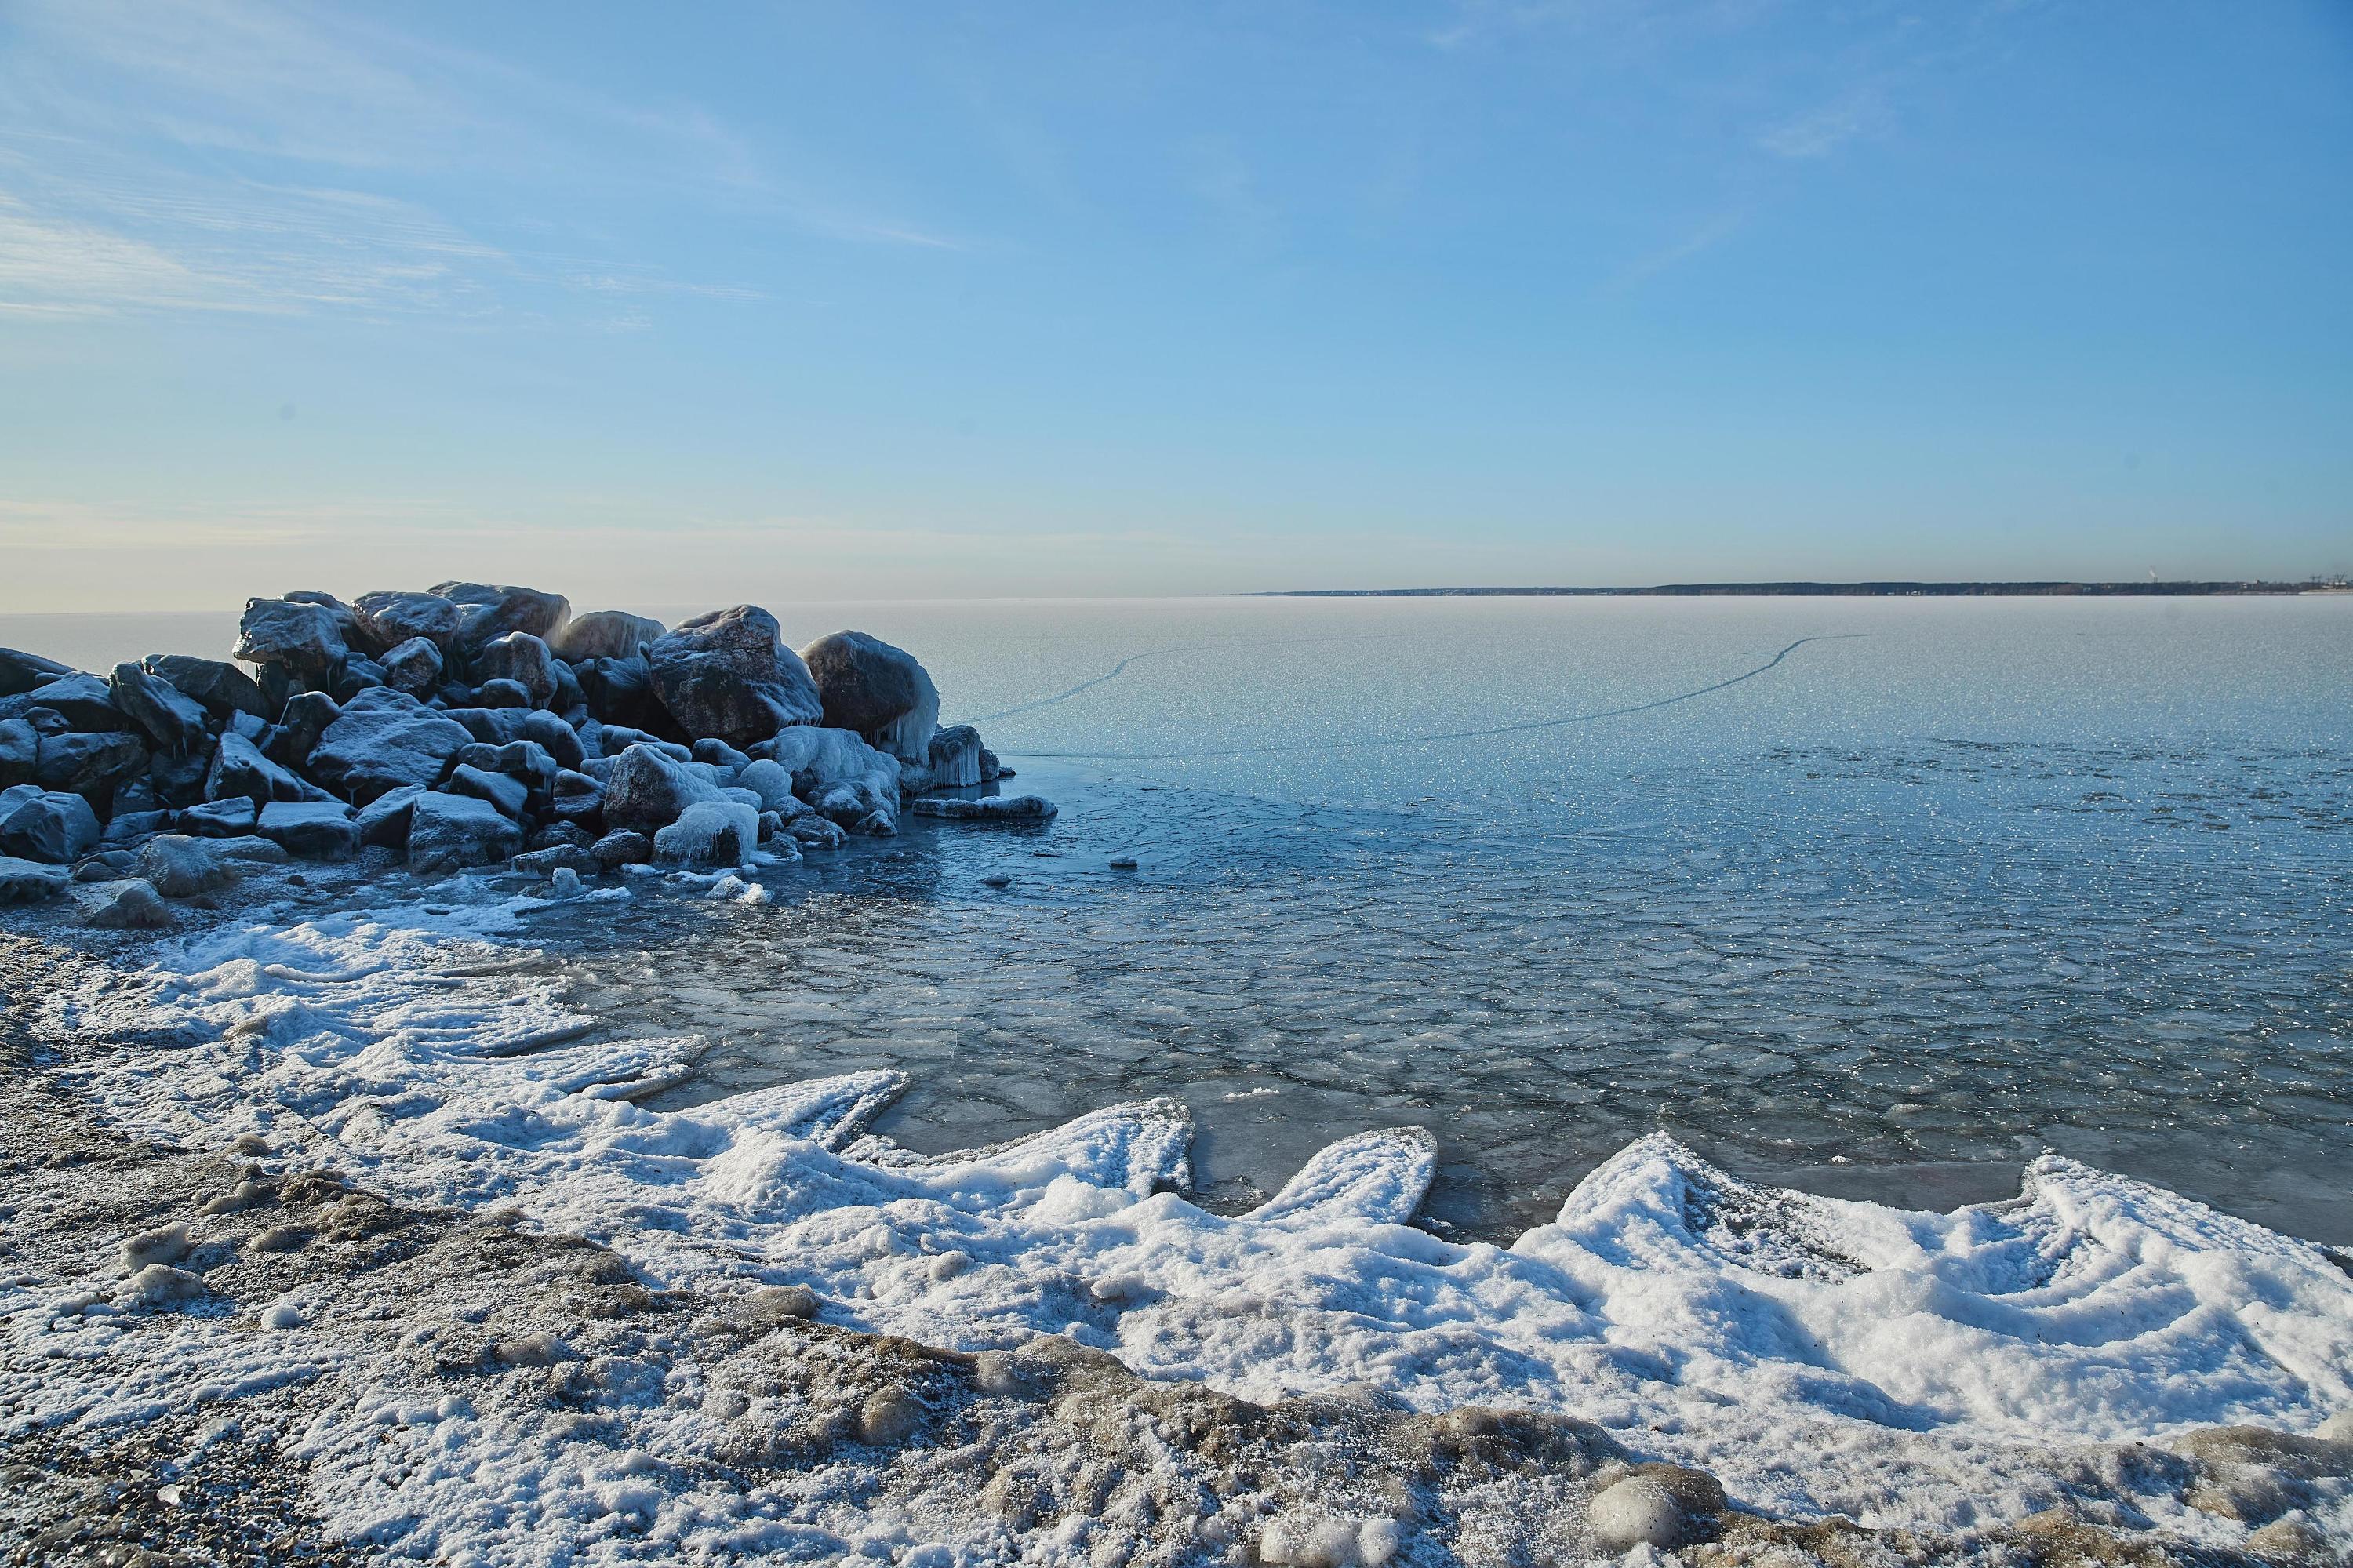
(1949, 883)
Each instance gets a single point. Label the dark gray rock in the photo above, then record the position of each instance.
(954, 757)
(816, 832)
(719, 755)
(129, 828)
(605, 635)
(20, 749)
(560, 739)
(502, 693)
(231, 817)
(622, 848)
(103, 865)
(577, 799)
(302, 639)
(726, 674)
(83, 701)
(413, 667)
(519, 657)
(240, 769)
(21, 673)
(382, 740)
(525, 761)
(131, 904)
(648, 789)
(358, 673)
(179, 781)
(881, 691)
(486, 612)
(507, 794)
(307, 716)
(169, 716)
(988, 809)
(621, 691)
(617, 738)
(89, 765)
(136, 795)
(220, 686)
(26, 882)
(543, 861)
(383, 821)
(388, 619)
(452, 832)
(180, 867)
(314, 830)
(48, 825)
(556, 834)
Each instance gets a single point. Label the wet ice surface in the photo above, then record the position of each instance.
(1883, 920)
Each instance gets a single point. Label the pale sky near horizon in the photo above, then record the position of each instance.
(811, 302)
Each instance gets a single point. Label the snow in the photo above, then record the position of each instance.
(1819, 1356)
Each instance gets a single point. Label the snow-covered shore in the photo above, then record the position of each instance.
(1945, 1377)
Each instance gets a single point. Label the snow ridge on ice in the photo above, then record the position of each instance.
(1819, 1355)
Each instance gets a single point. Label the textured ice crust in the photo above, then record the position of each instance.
(1821, 1356)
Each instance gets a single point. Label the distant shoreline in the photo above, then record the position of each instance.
(1837, 590)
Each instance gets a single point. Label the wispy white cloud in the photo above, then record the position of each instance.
(1818, 132)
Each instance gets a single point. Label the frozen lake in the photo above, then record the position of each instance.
(1874, 897)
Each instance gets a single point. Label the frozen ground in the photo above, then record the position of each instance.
(449, 1376)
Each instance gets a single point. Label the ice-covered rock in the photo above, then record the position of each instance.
(881, 691)
(29, 882)
(413, 667)
(305, 719)
(986, 808)
(83, 701)
(452, 832)
(710, 832)
(1661, 1505)
(622, 847)
(220, 686)
(21, 672)
(521, 658)
(231, 816)
(605, 635)
(383, 821)
(729, 674)
(954, 758)
(52, 826)
(819, 758)
(88, 764)
(382, 740)
(772, 781)
(386, 620)
(170, 717)
(20, 750)
(178, 866)
(509, 795)
(131, 904)
(240, 769)
(314, 830)
(486, 612)
(621, 691)
(304, 639)
(648, 789)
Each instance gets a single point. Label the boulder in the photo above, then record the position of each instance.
(816, 832)
(720, 755)
(180, 867)
(128, 827)
(383, 821)
(90, 764)
(838, 773)
(83, 701)
(605, 635)
(877, 690)
(710, 832)
(179, 781)
(507, 794)
(501, 693)
(727, 674)
(307, 716)
(616, 739)
(525, 761)
(522, 658)
(314, 830)
(171, 718)
(25, 882)
(616, 850)
(247, 849)
(240, 769)
(131, 904)
(559, 739)
(382, 740)
(577, 798)
(358, 673)
(386, 620)
(648, 789)
(486, 612)
(772, 781)
(302, 639)
(220, 686)
(546, 861)
(556, 834)
(987, 809)
(452, 832)
(48, 825)
(413, 667)
(954, 757)
(20, 750)
(230, 817)
(621, 691)
(21, 673)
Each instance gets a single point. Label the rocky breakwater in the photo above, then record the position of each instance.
(465, 726)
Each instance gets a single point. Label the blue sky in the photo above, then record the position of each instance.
(873, 301)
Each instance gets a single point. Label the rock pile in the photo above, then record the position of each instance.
(464, 725)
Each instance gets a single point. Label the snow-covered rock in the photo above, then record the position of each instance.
(986, 808)
(304, 639)
(29, 882)
(452, 832)
(178, 866)
(314, 830)
(131, 904)
(52, 826)
(881, 691)
(382, 740)
(729, 674)
(388, 619)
